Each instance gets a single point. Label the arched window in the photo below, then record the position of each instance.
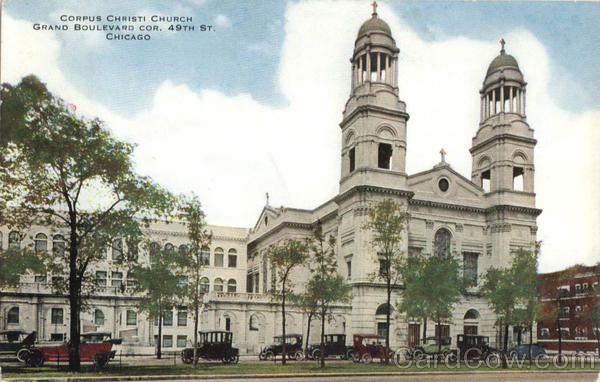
(205, 256)
(154, 250)
(12, 316)
(232, 258)
(58, 245)
(471, 314)
(218, 285)
(231, 286)
(441, 242)
(383, 309)
(183, 249)
(204, 285)
(169, 247)
(14, 240)
(219, 257)
(98, 317)
(117, 249)
(41, 243)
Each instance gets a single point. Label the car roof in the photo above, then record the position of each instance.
(369, 335)
(90, 334)
(288, 335)
(12, 332)
(213, 331)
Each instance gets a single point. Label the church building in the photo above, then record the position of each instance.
(479, 219)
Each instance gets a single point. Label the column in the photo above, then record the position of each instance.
(378, 67)
(519, 101)
(353, 81)
(368, 65)
(481, 109)
(387, 68)
(524, 102)
(360, 75)
(502, 97)
(511, 98)
(494, 100)
(487, 106)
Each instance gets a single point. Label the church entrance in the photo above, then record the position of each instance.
(470, 329)
(413, 334)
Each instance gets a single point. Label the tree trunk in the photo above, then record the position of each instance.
(424, 329)
(310, 315)
(159, 342)
(283, 349)
(439, 336)
(322, 347)
(530, 342)
(505, 347)
(74, 300)
(387, 316)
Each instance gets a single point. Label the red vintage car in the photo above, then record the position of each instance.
(94, 347)
(369, 346)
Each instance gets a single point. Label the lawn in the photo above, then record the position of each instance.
(292, 367)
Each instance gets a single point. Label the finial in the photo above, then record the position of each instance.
(502, 42)
(374, 5)
(443, 153)
(267, 197)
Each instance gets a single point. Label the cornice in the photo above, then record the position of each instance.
(505, 136)
(449, 206)
(370, 107)
(520, 209)
(375, 189)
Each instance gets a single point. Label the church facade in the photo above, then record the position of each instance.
(479, 219)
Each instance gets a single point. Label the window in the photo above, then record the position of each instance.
(58, 245)
(181, 318)
(57, 316)
(441, 242)
(227, 323)
(349, 266)
(57, 337)
(168, 341)
(470, 268)
(12, 317)
(384, 157)
(232, 258)
(57, 281)
(219, 257)
(183, 249)
(98, 317)
(383, 267)
(586, 288)
(41, 243)
(231, 286)
(545, 333)
(443, 184)
(218, 285)
(169, 247)
(486, 180)
(14, 240)
(577, 311)
(352, 157)
(168, 318)
(204, 285)
(131, 317)
(383, 309)
(381, 328)
(131, 282)
(577, 288)
(564, 333)
(117, 279)
(40, 278)
(117, 249)
(518, 178)
(564, 313)
(101, 278)
(181, 341)
(253, 323)
(154, 250)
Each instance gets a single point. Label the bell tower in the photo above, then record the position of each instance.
(502, 150)
(374, 118)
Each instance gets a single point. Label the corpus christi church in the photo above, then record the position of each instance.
(480, 219)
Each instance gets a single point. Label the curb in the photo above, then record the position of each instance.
(282, 376)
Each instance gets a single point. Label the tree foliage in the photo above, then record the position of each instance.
(190, 212)
(284, 259)
(72, 174)
(387, 221)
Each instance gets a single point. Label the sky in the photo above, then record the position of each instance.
(253, 105)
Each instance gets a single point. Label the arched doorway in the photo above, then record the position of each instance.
(471, 321)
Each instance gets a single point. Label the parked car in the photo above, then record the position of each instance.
(431, 348)
(93, 347)
(473, 347)
(213, 345)
(293, 348)
(16, 342)
(335, 345)
(522, 351)
(369, 346)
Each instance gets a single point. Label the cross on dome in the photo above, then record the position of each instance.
(502, 42)
(374, 5)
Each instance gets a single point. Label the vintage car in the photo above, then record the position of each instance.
(369, 346)
(16, 342)
(93, 347)
(473, 347)
(293, 348)
(522, 351)
(213, 345)
(335, 345)
(431, 348)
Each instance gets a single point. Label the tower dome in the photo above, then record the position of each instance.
(374, 24)
(503, 60)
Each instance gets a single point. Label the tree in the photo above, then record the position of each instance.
(309, 305)
(70, 173)
(413, 301)
(387, 220)
(162, 284)
(199, 237)
(326, 286)
(283, 259)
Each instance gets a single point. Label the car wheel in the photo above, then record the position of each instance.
(35, 359)
(355, 357)
(269, 356)
(367, 358)
(100, 360)
(22, 354)
(513, 355)
(299, 355)
(316, 354)
(262, 356)
(418, 354)
(451, 357)
(234, 359)
(187, 357)
(225, 360)
(350, 354)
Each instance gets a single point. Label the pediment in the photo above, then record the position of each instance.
(430, 185)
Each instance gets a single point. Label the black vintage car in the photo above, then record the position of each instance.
(474, 347)
(213, 345)
(16, 342)
(293, 348)
(335, 346)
